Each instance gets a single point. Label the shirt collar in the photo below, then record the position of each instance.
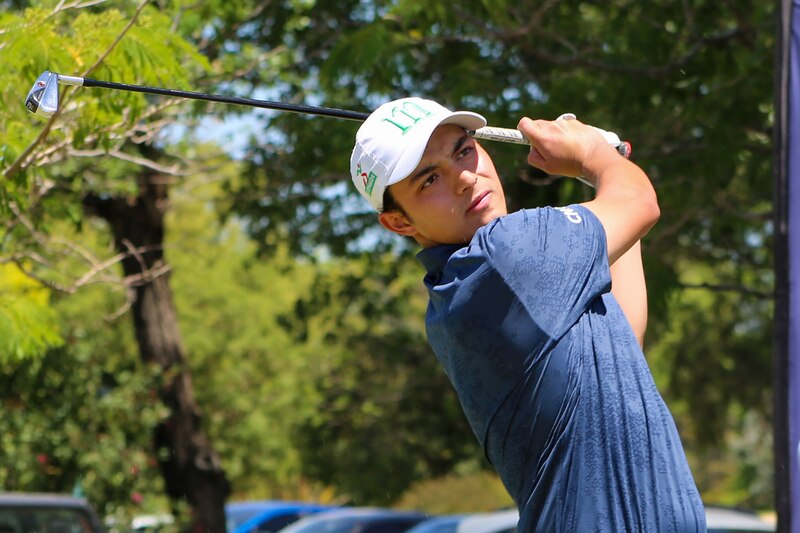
(435, 257)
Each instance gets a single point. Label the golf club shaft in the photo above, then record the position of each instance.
(265, 104)
(43, 99)
(487, 133)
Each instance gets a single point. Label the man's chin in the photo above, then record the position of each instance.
(492, 214)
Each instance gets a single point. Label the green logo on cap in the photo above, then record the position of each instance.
(406, 115)
(367, 179)
(369, 183)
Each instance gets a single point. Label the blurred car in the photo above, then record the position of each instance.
(358, 520)
(438, 524)
(151, 523)
(267, 516)
(27, 512)
(729, 520)
(496, 522)
(719, 520)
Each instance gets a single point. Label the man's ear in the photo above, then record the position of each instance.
(397, 222)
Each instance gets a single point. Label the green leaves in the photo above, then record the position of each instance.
(133, 47)
(28, 325)
(80, 416)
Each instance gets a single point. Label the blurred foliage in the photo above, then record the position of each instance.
(28, 325)
(737, 471)
(137, 46)
(79, 418)
(384, 403)
(48, 175)
(307, 383)
(303, 320)
(457, 493)
(247, 375)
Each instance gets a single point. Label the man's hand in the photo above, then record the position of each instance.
(566, 147)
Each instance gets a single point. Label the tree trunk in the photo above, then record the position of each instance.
(189, 464)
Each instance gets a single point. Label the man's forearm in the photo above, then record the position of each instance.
(630, 289)
(625, 201)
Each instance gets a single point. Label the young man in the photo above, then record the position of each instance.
(522, 315)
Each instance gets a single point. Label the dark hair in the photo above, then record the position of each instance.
(389, 203)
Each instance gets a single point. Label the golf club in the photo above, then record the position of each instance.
(42, 100)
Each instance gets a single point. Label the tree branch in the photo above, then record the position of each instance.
(172, 170)
(96, 268)
(75, 5)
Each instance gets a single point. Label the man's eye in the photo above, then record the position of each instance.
(464, 151)
(429, 181)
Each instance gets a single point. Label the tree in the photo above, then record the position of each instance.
(37, 191)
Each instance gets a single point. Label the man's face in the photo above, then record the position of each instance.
(453, 191)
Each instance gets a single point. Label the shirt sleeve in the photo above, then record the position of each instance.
(553, 259)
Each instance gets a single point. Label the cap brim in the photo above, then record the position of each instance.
(466, 119)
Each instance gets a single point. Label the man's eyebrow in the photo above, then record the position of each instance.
(460, 142)
(422, 172)
(430, 168)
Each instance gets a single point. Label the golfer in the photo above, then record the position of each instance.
(537, 316)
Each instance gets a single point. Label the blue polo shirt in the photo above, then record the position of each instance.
(552, 379)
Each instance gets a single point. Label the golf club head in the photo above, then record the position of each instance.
(43, 97)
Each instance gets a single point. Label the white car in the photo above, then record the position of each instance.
(719, 520)
(497, 522)
(727, 520)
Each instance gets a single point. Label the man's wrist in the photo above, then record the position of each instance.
(602, 159)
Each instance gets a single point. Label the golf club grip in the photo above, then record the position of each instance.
(508, 135)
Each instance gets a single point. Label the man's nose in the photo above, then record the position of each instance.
(465, 180)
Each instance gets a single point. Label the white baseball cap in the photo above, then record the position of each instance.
(390, 143)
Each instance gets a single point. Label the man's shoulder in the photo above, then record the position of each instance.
(529, 230)
(573, 214)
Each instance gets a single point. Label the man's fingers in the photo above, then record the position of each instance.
(535, 158)
(540, 131)
(555, 144)
(529, 127)
(532, 130)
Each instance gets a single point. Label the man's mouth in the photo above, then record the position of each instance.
(480, 202)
